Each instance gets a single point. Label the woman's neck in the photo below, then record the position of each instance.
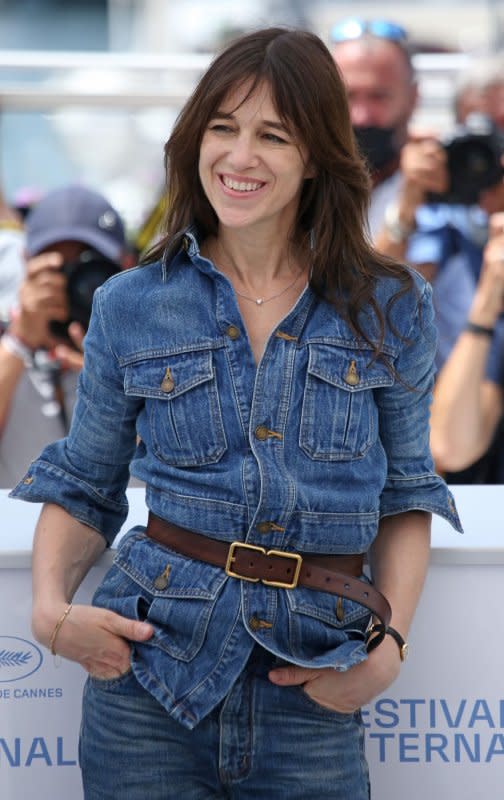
(254, 265)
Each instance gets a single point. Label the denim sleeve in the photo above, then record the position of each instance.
(87, 472)
(404, 408)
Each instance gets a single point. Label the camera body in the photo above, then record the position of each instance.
(84, 276)
(474, 151)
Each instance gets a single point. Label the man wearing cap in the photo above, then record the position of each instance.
(374, 59)
(38, 371)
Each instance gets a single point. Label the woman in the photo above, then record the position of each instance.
(270, 377)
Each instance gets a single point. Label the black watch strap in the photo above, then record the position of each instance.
(377, 632)
(479, 330)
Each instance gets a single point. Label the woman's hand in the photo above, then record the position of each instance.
(97, 639)
(345, 692)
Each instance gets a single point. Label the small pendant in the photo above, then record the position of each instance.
(259, 301)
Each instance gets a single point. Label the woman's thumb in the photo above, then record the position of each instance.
(132, 629)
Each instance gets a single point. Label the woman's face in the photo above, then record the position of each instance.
(251, 166)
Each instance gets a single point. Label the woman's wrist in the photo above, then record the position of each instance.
(485, 311)
(479, 330)
(45, 620)
(55, 631)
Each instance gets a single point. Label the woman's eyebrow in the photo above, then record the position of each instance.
(269, 123)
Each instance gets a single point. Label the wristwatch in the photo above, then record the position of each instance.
(397, 231)
(401, 643)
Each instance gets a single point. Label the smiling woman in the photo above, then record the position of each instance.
(251, 168)
(268, 375)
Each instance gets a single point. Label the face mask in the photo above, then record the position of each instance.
(377, 145)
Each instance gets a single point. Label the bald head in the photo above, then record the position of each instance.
(381, 88)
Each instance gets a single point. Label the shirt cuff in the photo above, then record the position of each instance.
(46, 483)
(430, 494)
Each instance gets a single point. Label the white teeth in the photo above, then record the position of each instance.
(240, 186)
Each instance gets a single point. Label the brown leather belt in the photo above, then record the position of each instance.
(336, 574)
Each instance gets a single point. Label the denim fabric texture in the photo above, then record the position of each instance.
(262, 741)
(304, 452)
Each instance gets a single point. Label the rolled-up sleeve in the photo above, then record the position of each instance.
(87, 472)
(404, 410)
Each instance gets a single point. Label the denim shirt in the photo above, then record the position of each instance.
(305, 451)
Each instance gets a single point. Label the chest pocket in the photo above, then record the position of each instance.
(182, 405)
(339, 419)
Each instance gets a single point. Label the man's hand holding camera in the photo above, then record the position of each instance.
(43, 298)
(424, 172)
(423, 165)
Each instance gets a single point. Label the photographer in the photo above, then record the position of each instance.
(74, 241)
(374, 57)
(468, 406)
(453, 229)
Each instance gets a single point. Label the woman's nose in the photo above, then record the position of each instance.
(243, 153)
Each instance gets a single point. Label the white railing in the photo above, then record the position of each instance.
(133, 85)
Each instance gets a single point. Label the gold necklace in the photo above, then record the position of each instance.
(260, 301)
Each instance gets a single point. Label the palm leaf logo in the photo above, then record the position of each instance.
(14, 658)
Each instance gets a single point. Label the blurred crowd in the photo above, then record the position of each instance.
(437, 204)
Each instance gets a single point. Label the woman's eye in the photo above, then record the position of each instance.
(272, 137)
(220, 127)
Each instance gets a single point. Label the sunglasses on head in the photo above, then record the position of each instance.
(354, 28)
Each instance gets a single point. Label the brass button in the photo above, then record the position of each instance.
(256, 624)
(261, 433)
(267, 525)
(167, 384)
(352, 376)
(263, 527)
(28, 480)
(233, 332)
(161, 581)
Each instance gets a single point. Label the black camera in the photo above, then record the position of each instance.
(474, 151)
(84, 276)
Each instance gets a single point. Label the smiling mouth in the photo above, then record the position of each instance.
(241, 186)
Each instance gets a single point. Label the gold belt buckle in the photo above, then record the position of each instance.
(278, 584)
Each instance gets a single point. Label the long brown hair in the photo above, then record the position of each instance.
(310, 97)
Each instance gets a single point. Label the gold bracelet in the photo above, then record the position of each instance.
(58, 625)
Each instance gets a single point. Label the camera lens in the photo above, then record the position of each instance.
(84, 276)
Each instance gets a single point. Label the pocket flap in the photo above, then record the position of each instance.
(324, 606)
(145, 561)
(168, 376)
(352, 370)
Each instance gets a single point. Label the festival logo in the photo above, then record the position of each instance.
(19, 658)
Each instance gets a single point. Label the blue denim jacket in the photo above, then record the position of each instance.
(305, 451)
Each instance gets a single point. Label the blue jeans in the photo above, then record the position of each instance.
(261, 741)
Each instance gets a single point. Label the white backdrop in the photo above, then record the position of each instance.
(437, 733)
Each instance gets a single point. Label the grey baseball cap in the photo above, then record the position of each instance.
(75, 213)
